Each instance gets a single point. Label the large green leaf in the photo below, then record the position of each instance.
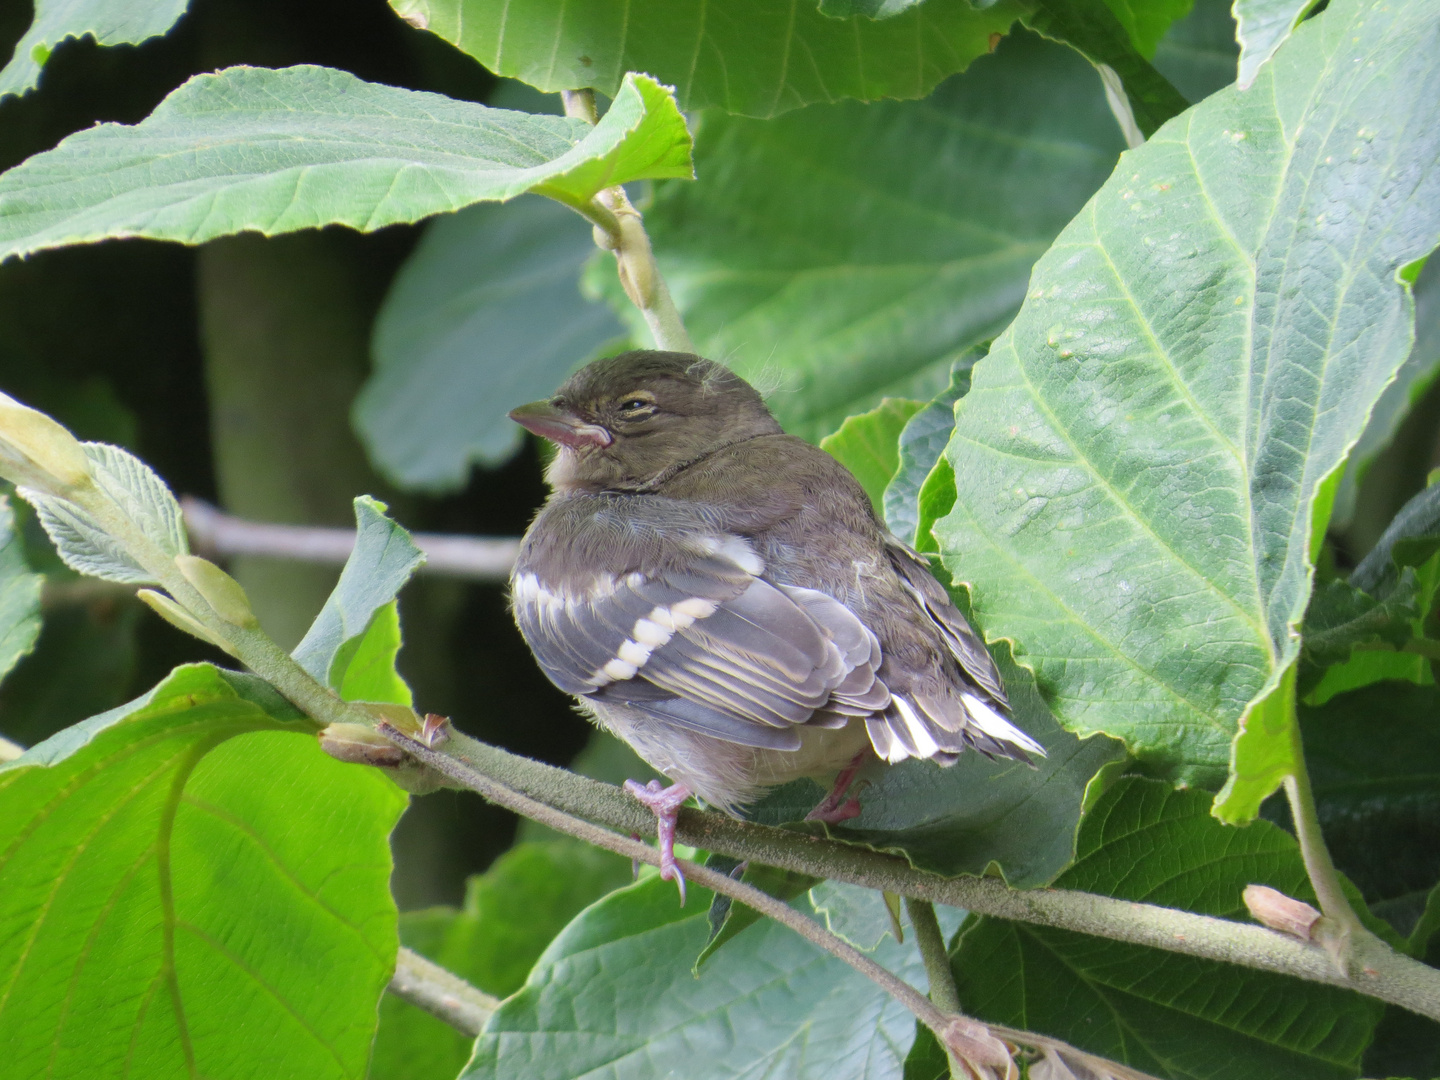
(847, 253)
(19, 594)
(511, 913)
(275, 151)
(109, 22)
(1261, 27)
(486, 315)
(1198, 53)
(752, 57)
(615, 996)
(1091, 27)
(1414, 379)
(1137, 459)
(188, 886)
(356, 636)
(1170, 1015)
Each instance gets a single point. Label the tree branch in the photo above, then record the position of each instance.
(1378, 971)
(214, 532)
(955, 1031)
(441, 993)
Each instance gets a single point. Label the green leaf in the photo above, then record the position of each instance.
(1412, 382)
(978, 815)
(109, 22)
(854, 913)
(1411, 539)
(193, 888)
(922, 445)
(19, 594)
(1163, 1013)
(485, 315)
(778, 265)
(382, 562)
(1146, 23)
(1262, 27)
(868, 445)
(1198, 53)
(1340, 617)
(728, 919)
(82, 542)
(1126, 512)
(1092, 28)
(614, 994)
(755, 58)
(251, 149)
(364, 666)
(511, 913)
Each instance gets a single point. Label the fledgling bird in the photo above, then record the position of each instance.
(722, 596)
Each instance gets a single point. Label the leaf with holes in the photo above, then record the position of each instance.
(1138, 459)
(190, 887)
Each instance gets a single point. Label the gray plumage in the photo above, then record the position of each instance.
(722, 596)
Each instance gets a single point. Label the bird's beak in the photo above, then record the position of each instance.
(559, 426)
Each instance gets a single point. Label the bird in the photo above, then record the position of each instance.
(723, 597)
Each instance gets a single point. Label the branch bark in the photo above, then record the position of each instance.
(954, 1031)
(441, 993)
(1377, 970)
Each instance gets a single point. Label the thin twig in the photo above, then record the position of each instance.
(214, 532)
(931, 942)
(441, 993)
(1379, 972)
(713, 880)
(939, 1021)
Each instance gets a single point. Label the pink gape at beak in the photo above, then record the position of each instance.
(559, 426)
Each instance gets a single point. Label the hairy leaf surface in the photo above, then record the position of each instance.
(191, 887)
(1137, 459)
(254, 149)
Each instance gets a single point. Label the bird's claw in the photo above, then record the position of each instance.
(664, 803)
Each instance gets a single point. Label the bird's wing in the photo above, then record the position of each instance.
(965, 645)
(701, 639)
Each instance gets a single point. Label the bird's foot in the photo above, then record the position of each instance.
(664, 803)
(835, 808)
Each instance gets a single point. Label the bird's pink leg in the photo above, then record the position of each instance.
(664, 803)
(832, 810)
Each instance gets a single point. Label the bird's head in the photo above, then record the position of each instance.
(625, 422)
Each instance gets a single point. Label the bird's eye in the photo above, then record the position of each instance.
(634, 405)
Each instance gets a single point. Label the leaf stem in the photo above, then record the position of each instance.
(1379, 973)
(1319, 866)
(931, 943)
(619, 229)
(441, 993)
